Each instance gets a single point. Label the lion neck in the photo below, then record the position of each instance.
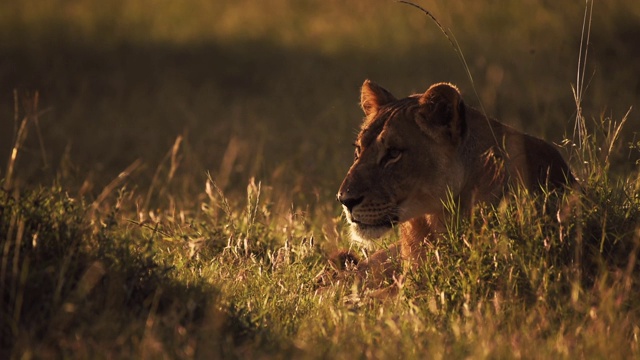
(416, 233)
(482, 182)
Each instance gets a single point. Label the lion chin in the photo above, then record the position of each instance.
(365, 235)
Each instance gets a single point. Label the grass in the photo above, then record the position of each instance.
(171, 189)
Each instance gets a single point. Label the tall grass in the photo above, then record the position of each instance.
(238, 279)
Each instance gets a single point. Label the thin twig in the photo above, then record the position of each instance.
(116, 182)
(456, 47)
(579, 128)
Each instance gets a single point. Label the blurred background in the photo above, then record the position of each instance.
(270, 89)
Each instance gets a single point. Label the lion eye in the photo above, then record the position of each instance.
(392, 156)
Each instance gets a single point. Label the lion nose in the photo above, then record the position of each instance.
(349, 201)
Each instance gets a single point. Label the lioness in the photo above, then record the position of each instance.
(413, 154)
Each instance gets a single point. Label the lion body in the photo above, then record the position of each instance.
(416, 154)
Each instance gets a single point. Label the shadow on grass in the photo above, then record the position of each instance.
(71, 289)
(255, 108)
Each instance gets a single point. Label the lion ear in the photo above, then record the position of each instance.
(442, 105)
(373, 97)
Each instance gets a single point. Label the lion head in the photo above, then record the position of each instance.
(407, 158)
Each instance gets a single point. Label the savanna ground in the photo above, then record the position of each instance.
(169, 171)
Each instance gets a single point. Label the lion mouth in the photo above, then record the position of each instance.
(386, 224)
(385, 221)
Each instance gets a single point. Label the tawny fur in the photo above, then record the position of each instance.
(414, 154)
